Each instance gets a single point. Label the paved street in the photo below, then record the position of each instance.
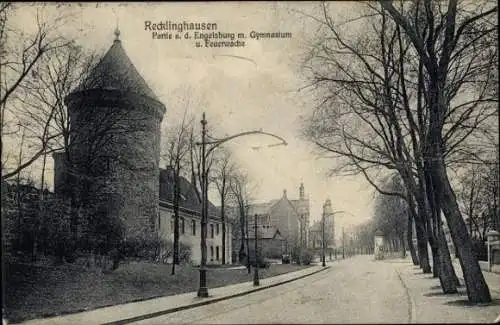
(357, 290)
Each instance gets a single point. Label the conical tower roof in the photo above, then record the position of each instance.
(115, 71)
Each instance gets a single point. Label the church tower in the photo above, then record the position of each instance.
(114, 145)
(303, 210)
(329, 223)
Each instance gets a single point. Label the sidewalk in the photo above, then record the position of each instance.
(430, 305)
(126, 313)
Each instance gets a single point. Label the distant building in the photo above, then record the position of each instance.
(316, 230)
(290, 217)
(269, 239)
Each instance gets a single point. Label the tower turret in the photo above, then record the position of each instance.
(301, 191)
(115, 143)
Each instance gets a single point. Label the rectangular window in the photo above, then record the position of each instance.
(193, 227)
(217, 253)
(212, 231)
(217, 229)
(211, 253)
(183, 228)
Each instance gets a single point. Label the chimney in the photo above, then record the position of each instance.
(170, 172)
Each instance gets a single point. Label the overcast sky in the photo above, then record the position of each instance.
(256, 91)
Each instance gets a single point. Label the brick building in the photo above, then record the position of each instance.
(290, 217)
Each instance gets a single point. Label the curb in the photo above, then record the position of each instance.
(412, 313)
(207, 302)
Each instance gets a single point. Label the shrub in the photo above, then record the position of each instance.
(153, 249)
(480, 249)
(304, 256)
(261, 259)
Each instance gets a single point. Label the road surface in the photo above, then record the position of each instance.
(356, 290)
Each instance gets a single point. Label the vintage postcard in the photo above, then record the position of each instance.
(249, 162)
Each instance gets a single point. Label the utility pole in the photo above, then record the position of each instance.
(256, 268)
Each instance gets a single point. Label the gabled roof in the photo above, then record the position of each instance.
(287, 202)
(189, 198)
(265, 233)
(115, 71)
(259, 208)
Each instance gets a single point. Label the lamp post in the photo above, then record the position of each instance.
(256, 268)
(214, 143)
(323, 235)
(300, 242)
(247, 240)
(343, 244)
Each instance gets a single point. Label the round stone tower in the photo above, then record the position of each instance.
(115, 144)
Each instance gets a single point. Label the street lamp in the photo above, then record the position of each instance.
(202, 290)
(323, 235)
(343, 244)
(256, 268)
(247, 240)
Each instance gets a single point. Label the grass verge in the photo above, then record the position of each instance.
(41, 291)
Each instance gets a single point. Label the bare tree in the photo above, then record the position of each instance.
(223, 172)
(23, 57)
(377, 87)
(240, 194)
(439, 44)
(176, 154)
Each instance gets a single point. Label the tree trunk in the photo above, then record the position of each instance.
(409, 239)
(420, 228)
(403, 246)
(477, 289)
(449, 278)
(175, 257)
(423, 253)
(223, 219)
(435, 260)
(241, 253)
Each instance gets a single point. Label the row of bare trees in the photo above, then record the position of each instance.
(182, 153)
(414, 92)
(38, 68)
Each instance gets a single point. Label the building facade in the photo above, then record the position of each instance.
(290, 217)
(190, 221)
(269, 240)
(316, 230)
